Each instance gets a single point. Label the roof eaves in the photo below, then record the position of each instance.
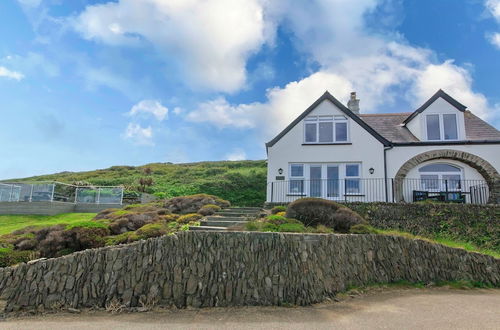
(440, 93)
(343, 108)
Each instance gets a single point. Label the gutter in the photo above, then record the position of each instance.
(443, 143)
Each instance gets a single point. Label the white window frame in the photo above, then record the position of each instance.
(440, 177)
(306, 179)
(297, 178)
(441, 126)
(331, 119)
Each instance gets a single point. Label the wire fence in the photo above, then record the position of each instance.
(60, 192)
(380, 190)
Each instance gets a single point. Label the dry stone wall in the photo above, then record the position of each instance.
(202, 269)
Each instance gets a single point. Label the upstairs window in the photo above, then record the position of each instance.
(325, 129)
(441, 127)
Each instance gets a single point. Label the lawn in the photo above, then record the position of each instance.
(9, 223)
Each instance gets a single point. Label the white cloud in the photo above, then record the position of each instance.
(236, 154)
(151, 107)
(178, 110)
(380, 69)
(139, 135)
(4, 72)
(210, 39)
(494, 7)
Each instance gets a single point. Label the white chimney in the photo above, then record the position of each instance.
(353, 103)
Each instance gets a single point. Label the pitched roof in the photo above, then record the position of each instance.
(343, 108)
(389, 125)
(389, 128)
(478, 129)
(440, 93)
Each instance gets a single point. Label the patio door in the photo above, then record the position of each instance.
(315, 182)
(332, 182)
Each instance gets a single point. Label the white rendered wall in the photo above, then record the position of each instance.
(363, 148)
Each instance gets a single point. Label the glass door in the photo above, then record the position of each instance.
(332, 181)
(315, 186)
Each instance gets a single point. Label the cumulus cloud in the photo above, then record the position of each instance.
(380, 69)
(4, 72)
(236, 154)
(211, 40)
(150, 107)
(139, 135)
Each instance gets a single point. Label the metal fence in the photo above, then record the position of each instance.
(380, 190)
(60, 192)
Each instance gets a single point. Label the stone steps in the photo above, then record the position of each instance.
(225, 223)
(227, 218)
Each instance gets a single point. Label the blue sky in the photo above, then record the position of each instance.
(90, 84)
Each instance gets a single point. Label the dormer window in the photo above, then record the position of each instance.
(325, 129)
(441, 127)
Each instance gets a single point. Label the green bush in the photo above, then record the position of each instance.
(317, 211)
(209, 209)
(291, 228)
(276, 219)
(9, 257)
(362, 229)
(321, 229)
(277, 209)
(187, 218)
(124, 238)
(151, 230)
(87, 224)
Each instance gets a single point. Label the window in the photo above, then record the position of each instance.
(352, 180)
(441, 127)
(440, 176)
(296, 183)
(325, 129)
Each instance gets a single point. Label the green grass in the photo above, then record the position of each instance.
(442, 240)
(243, 183)
(9, 223)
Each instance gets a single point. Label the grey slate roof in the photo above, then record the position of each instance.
(390, 126)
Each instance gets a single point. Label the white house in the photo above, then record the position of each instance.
(439, 151)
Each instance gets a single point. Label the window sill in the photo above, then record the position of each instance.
(327, 144)
(354, 195)
(296, 194)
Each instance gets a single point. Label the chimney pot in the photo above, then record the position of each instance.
(353, 103)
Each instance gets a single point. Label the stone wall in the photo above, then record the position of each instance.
(51, 208)
(202, 269)
(478, 224)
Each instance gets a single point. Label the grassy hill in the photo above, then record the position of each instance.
(241, 182)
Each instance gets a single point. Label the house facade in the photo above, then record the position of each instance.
(439, 151)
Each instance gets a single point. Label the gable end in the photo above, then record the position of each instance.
(344, 109)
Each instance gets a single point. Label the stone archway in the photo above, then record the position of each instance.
(489, 173)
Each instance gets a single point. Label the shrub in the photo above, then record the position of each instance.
(281, 214)
(151, 230)
(291, 228)
(317, 211)
(278, 209)
(362, 229)
(187, 218)
(192, 203)
(124, 238)
(209, 209)
(87, 224)
(9, 257)
(321, 229)
(276, 219)
(75, 239)
(170, 217)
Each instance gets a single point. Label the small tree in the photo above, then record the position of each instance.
(144, 183)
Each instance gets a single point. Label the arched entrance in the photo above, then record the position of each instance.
(489, 173)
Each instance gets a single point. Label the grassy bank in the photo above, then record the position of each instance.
(243, 183)
(10, 223)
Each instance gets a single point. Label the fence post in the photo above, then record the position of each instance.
(446, 189)
(31, 193)
(11, 190)
(121, 198)
(98, 195)
(76, 194)
(53, 189)
(392, 190)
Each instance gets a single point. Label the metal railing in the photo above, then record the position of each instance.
(60, 192)
(380, 190)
